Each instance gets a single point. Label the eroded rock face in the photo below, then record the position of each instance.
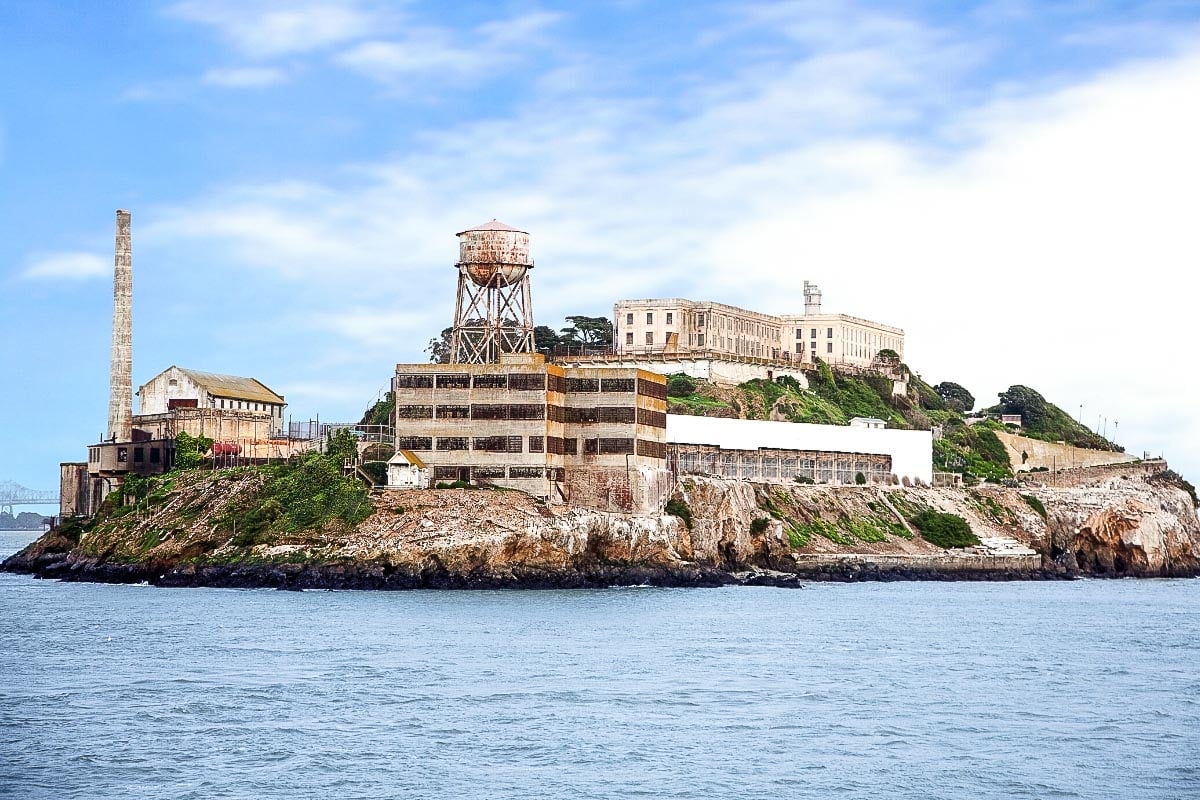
(739, 532)
(1140, 530)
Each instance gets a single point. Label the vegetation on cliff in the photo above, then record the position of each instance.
(969, 446)
(243, 506)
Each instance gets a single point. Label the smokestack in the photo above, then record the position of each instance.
(120, 380)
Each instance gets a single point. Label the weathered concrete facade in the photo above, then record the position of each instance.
(594, 436)
(775, 465)
(179, 389)
(674, 327)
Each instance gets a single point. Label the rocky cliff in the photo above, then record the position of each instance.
(1116, 524)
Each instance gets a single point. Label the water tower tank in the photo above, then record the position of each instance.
(494, 254)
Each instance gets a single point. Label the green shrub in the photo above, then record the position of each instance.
(859, 478)
(455, 485)
(680, 386)
(758, 525)
(1035, 504)
(678, 508)
(944, 530)
(190, 450)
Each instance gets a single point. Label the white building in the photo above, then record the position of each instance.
(910, 452)
(177, 389)
(406, 471)
(676, 328)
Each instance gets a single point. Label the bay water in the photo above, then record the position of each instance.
(1085, 689)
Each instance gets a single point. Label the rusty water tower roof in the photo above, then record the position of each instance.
(494, 225)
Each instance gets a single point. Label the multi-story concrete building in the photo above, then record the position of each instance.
(686, 326)
(689, 328)
(588, 436)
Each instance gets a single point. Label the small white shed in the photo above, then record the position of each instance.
(406, 471)
(868, 422)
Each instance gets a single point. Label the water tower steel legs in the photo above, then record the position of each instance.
(490, 320)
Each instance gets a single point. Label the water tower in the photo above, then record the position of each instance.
(493, 314)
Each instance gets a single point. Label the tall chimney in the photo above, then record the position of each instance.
(120, 379)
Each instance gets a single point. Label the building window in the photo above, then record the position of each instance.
(139, 455)
(649, 337)
(799, 347)
(813, 334)
(829, 333)
(537, 444)
(629, 319)
(414, 443)
(829, 347)
(629, 338)
(799, 333)
(452, 443)
(670, 318)
(649, 317)
(699, 320)
(122, 455)
(154, 455)
(700, 340)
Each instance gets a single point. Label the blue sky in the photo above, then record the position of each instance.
(1011, 182)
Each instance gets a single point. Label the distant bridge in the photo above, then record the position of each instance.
(13, 494)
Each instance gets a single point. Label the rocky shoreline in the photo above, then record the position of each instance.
(1119, 523)
(67, 566)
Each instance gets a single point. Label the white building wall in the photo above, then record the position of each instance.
(911, 451)
(840, 338)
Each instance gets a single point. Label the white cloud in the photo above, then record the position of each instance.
(67, 265)
(448, 54)
(244, 77)
(270, 28)
(1051, 245)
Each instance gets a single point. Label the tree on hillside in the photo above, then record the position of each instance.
(1026, 402)
(956, 396)
(588, 331)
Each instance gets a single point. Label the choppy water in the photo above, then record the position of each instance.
(918, 690)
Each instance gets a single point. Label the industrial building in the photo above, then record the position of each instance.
(499, 414)
(680, 329)
(221, 407)
(240, 412)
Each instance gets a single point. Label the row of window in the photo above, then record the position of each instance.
(722, 323)
(139, 455)
(244, 405)
(813, 333)
(535, 444)
(516, 382)
(800, 347)
(452, 473)
(569, 414)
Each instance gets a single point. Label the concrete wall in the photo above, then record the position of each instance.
(73, 490)
(1055, 456)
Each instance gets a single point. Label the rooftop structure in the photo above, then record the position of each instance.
(493, 313)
